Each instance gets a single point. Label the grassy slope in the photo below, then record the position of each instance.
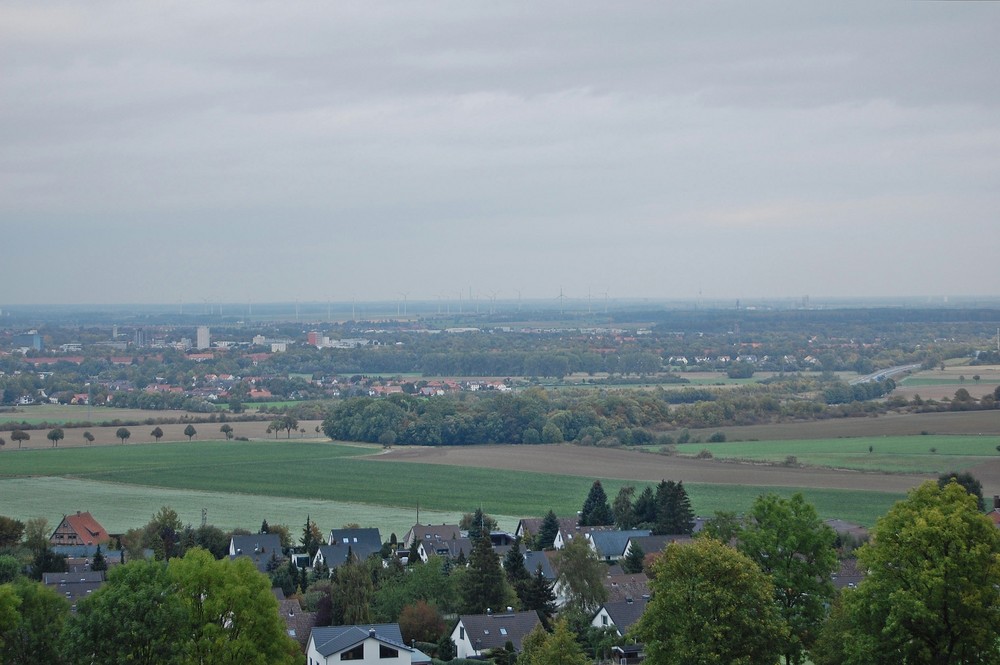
(298, 471)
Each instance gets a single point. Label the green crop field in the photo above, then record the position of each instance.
(61, 413)
(900, 454)
(254, 478)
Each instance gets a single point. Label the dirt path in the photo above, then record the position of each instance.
(630, 465)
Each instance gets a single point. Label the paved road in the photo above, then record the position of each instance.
(885, 374)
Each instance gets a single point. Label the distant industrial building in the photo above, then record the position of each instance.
(30, 340)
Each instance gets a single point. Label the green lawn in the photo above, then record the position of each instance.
(902, 454)
(260, 475)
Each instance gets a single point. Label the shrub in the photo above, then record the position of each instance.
(704, 454)
(718, 437)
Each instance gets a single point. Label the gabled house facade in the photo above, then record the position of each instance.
(79, 529)
(261, 548)
(477, 633)
(360, 543)
(620, 615)
(375, 644)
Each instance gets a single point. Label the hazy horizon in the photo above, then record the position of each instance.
(159, 153)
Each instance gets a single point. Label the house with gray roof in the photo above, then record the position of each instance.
(361, 543)
(260, 548)
(620, 615)
(476, 634)
(371, 644)
(610, 545)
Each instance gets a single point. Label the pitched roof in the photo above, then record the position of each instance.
(450, 548)
(623, 587)
(361, 543)
(333, 639)
(656, 544)
(432, 532)
(612, 543)
(259, 548)
(534, 559)
(79, 529)
(849, 574)
(624, 613)
(492, 631)
(298, 624)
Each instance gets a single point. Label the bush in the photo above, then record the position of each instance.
(718, 437)
(704, 454)
(791, 460)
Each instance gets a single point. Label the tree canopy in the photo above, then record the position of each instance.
(711, 605)
(932, 593)
(596, 510)
(787, 539)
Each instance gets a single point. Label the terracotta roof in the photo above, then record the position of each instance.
(79, 529)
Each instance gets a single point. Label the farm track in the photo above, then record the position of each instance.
(573, 460)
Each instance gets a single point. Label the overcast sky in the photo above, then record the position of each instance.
(271, 151)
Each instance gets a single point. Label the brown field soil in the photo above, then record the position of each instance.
(573, 460)
(939, 393)
(141, 434)
(907, 424)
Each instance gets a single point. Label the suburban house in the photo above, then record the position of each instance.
(79, 529)
(260, 548)
(565, 535)
(298, 624)
(376, 644)
(532, 560)
(620, 615)
(622, 586)
(450, 549)
(74, 587)
(420, 532)
(478, 633)
(653, 544)
(361, 543)
(611, 545)
(528, 527)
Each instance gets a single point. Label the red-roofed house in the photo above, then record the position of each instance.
(79, 529)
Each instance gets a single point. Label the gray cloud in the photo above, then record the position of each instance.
(311, 150)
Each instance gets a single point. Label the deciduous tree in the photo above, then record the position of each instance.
(710, 604)
(787, 539)
(579, 568)
(19, 435)
(190, 432)
(31, 636)
(232, 616)
(134, 618)
(55, 436)
(157, 434)
(932, 593)
(123, 434)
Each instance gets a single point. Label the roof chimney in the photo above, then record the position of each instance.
(489, 612)
(371, 632)
(510, 610)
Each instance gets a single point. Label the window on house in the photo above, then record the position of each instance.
(604, 620)
(357, 653)
(387, 652)
(461, 632)
(345, 540)
(503, 631)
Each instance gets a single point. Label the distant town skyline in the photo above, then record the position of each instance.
(384, 151)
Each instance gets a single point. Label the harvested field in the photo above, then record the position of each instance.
(175, 432)
(638, 466)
